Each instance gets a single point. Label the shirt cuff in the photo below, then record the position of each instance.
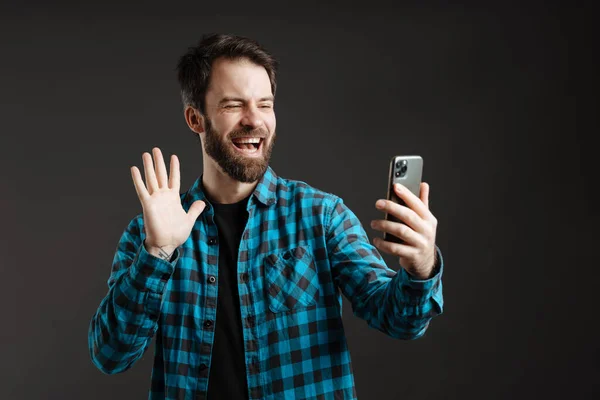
(151, 272)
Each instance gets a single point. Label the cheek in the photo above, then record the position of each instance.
(223, 127)
(271, 123)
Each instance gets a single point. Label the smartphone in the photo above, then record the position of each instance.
(406, 170)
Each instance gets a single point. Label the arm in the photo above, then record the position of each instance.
(392, 302)
(127, 318)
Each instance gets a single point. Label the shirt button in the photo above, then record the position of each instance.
(212, 240)
(203, 367)
(271, 201)
(286, 256)
(208, 324)
(244, 277)
(212, 279)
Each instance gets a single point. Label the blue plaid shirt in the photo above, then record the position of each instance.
(301, 249)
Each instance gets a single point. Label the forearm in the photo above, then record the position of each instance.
(403, 306)
(127, 317)
(121, 328)
(396, 314)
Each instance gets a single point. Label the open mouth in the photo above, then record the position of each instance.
(248, 145)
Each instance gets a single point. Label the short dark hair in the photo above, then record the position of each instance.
(194, 67)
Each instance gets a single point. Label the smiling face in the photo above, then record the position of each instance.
(239, 125)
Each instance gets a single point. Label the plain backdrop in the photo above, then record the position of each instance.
(491, 97)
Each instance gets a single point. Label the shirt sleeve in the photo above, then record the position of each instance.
(127, 318)
(392, 302)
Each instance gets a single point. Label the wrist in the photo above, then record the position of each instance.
(162, 252)
(428, 275)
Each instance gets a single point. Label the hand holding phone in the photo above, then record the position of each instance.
(417, 252)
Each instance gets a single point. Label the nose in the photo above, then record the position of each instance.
(252, 118)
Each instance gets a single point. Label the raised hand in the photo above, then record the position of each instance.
(166, 223)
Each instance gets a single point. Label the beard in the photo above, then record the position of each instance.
(236, 165)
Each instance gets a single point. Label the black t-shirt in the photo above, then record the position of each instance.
(227, 379)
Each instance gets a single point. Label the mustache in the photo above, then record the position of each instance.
(249, 133)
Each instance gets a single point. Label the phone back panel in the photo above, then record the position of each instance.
(408, 171)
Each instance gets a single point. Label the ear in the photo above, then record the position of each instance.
(194, 119)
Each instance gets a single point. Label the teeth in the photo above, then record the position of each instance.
(247, 140)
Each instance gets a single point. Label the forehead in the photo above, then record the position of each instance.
(240, 78)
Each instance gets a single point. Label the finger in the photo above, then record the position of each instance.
(395, 249)
(424, 195)
(404, 214)
(399, 230)
(196, 209)
(151, 183)
(174, 179)
(161, 170)
(140, 189)
(412, 201)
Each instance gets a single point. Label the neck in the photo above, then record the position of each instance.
(220, 187)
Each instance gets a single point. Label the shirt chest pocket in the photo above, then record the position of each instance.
(292, 280)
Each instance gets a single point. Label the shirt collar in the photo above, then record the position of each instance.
(265, 191)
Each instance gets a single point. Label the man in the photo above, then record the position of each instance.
(240, 277)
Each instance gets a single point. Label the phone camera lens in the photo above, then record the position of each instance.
(403, 169)
(401, 163)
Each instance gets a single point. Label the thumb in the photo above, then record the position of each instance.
(196, 209)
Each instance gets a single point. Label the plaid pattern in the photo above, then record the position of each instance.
(301, 249)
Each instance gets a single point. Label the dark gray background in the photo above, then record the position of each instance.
(489, 96)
